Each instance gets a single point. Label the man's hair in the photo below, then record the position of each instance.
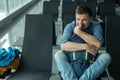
(84, 10)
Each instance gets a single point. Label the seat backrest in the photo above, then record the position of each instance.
(92, 1)
(113, 43)
(51, 8)
(58, 1)
(68, 7)
(68, 19)
(106, 8)
(113, 1)
(112, 33)
(37, 44)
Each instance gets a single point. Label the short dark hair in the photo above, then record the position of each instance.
(84, 9)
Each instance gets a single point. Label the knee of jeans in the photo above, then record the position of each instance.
(58, 55)
(106, 57)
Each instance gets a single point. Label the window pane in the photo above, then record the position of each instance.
(3, 9)
(25, 1)
(13, 5)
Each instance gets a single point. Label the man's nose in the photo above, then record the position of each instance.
(80, 22)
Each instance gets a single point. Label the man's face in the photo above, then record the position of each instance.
(83, 20)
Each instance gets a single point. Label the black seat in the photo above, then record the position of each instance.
(104, 9)
(36, 58)
(113, 44)
(113, 1)
(58, 1)
(68, 8)
(51, 8)
(67, 19)
(92, 1)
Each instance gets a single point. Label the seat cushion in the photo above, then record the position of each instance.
(30, 75)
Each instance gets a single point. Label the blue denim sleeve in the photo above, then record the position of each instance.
(98, 32)
(68, 31)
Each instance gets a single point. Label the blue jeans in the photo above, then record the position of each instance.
(91, 73)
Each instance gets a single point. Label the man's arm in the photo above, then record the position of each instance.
(88, 38)
(73, 46)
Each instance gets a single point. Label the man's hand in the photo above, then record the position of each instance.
(77, 28)
(92, 49)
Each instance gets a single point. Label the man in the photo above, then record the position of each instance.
(80, 43)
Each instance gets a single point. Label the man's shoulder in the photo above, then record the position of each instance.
(95, 23)
(71, 23)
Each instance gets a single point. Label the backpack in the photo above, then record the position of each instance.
(79, 60)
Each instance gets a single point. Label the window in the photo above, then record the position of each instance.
(9, 6)
(3, 9)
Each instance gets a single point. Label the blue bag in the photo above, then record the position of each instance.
(80, 60)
